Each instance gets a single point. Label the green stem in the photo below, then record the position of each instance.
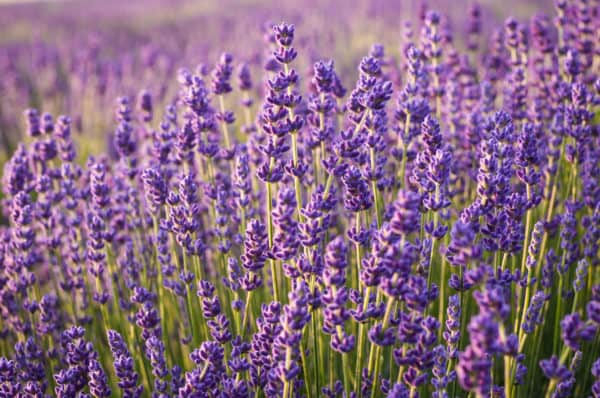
(270, 236)
(375, 349)
(402, 145)
(441, 312)
(375, 189)
(224, 124)
(557, 315)
(523, 308)
(508, 380)
(316, 351)
(356, 271)
(246, 312)
(160, 290)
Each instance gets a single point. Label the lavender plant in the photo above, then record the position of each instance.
(432, 232)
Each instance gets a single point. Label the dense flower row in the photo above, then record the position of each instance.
(432, 234)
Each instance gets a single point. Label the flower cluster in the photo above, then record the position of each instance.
(433, 232)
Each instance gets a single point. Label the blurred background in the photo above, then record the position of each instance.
(77, 57)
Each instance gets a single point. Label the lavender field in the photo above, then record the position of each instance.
(254, 198)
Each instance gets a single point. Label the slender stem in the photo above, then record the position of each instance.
(270, 234)
(287, 386)
(339, 331)
(508, 380)
(359, 353)
(224, 124)
(316, 351)
(375, 189)
(375, 349)
(246, 312)
(524, 263)
(162, 299)
(441, 309)
(356, 271)
(307, 383)
(361, 326)
(558, 312)
(402, 144)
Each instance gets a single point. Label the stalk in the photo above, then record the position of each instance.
(375, 189)
(246, 311)
(160, 291)
(359, 359)
(558, 312)
(305, 372)
(358, 256)
(434, 240)
(316, 351)
(346, 376)
(270, 235)
(374, 355)
(224, 124)
(523, 308)
(441, 308)
(507, 367)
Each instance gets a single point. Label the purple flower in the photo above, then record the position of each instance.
(441, 377)
(553, 369)
(33, 122)
(124, 366)
(357, 195)
(29, 359)
(574, 331)
(155, 188)
(155, 351)
(452, 332)
(98, 381)
(219, 329)
(145, 105)
(50, 315)
(406, 218)
(209, 370)
(99, 188)
(593, 310)
(17, 174)
(285, 241)
(533, 316)
(211, 306)
(268, 327)
(125, 143)
(580, 275)
(8, 377)
(287, 342)
(148, 318)
(79, 355)
(474, 363)
(316, 217)
(335, 295)
(255, 246)
(221, 75)
(462, 250)
(596, 373)
(244, 78)
(62, 132)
